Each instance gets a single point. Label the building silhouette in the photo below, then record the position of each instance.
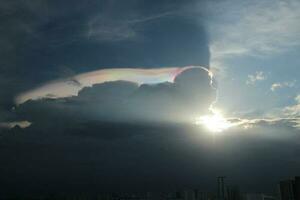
(290, 189)
(258, 196)
(233, 193)
(221, 195)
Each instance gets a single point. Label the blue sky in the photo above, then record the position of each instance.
(254, 45)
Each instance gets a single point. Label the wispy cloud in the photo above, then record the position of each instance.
(258, 76)
(297, 98)
(289, 115)
(279, 85)
(293, 110)
(105, 28)
(250, 123)
(256, 28)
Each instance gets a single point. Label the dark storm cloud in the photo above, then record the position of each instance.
(39, 37)
(40, 41)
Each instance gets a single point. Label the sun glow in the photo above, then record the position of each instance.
(214, 122)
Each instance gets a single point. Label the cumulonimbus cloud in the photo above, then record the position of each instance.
(70, 86)
(122, 95)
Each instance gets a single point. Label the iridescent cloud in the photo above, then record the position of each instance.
(70, 87)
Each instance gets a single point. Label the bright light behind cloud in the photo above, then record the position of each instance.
(214, 122)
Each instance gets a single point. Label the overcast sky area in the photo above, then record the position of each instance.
(104, 95)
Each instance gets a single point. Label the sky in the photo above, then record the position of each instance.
(144, 95)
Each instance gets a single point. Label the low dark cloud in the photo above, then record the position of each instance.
(94, 157)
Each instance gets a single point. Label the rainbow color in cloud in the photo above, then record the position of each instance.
(71, 86)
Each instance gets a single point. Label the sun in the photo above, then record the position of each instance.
(214, 122)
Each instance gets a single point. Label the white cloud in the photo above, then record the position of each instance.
(293, 110)
(253, 78)
(279, 85)
(256, 28)
(9, 125)
(290, 115)
(297, 99)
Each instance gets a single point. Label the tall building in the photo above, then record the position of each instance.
(233, 193)
(253, 196)
(290, 189)
(297, 187)
(200, 195)
(221, 188)
(189, 195)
